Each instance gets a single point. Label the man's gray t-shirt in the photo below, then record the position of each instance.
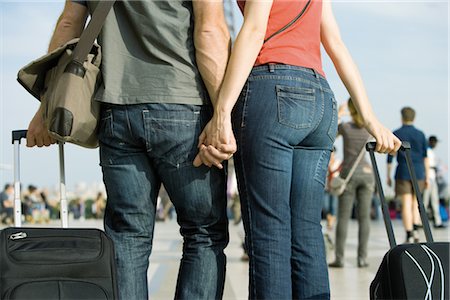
(148, 54)
(354, 139)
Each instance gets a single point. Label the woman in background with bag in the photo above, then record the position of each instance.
(360, 187)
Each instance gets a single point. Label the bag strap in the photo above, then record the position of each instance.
(302, 12)
(92, 31)
(356, 162)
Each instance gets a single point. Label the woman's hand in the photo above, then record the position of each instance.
(216, 142)
(387, 142)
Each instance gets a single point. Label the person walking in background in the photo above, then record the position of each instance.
(285, 122)
(403, 184)
(360, 188)
(431, 193)
(155, 66)
(7, 204)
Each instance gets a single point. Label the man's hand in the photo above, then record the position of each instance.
(37, 134)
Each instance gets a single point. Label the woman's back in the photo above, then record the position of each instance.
(298, 45)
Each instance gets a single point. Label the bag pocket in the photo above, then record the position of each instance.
(57, 289)
(295, 106)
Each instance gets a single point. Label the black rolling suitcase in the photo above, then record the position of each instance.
(54, 263)
(410, 271)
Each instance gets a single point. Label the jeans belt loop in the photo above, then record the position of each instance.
(315, 73)
(271, 68)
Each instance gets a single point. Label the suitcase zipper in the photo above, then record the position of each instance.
(18, 236)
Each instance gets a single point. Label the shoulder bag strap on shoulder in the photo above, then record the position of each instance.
(302, 12)
(356, 162)
(92, 31)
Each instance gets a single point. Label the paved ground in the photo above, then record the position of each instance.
(346, 283)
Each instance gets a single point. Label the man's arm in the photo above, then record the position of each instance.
(212, 43)
(69, 26)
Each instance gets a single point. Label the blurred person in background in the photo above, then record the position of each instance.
(431, 193)
(7, 204)
(403, 185)
(359, 189)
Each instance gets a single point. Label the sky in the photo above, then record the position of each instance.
(400, 47)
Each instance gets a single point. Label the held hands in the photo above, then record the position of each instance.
(216, 142)
(37, 134)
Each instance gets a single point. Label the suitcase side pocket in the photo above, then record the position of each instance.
(57, 289)
(28, 246)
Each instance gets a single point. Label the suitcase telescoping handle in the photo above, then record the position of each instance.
(405, 148)
(17, 136)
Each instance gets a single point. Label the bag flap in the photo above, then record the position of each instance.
(32, 76)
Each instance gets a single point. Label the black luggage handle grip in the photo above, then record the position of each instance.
(17, 135)
(371, 146)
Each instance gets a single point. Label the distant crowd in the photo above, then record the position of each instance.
(40, 206)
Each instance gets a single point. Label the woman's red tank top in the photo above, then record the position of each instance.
(299, 45)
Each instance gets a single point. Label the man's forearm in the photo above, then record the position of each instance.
(69, 26)
(212, 48)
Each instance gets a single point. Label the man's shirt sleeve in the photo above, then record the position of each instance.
(80, 2)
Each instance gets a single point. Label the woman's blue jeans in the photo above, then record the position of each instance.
(285, 123)
(142, 146)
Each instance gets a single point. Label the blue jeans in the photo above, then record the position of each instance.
(142, 146)
(285, 123)
(329, 204)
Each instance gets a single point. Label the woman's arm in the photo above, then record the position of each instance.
(350, 76)
(245, 51)
(218, 133)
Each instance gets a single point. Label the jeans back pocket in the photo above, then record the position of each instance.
(296, 106)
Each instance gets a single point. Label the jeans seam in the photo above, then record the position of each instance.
(244, 105)
(322, 110)
(333, 119)
(250, 227)
(128, 122)
(111, 124)
(319, 166)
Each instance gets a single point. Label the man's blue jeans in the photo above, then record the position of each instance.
(142, 146)
(285, 123)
